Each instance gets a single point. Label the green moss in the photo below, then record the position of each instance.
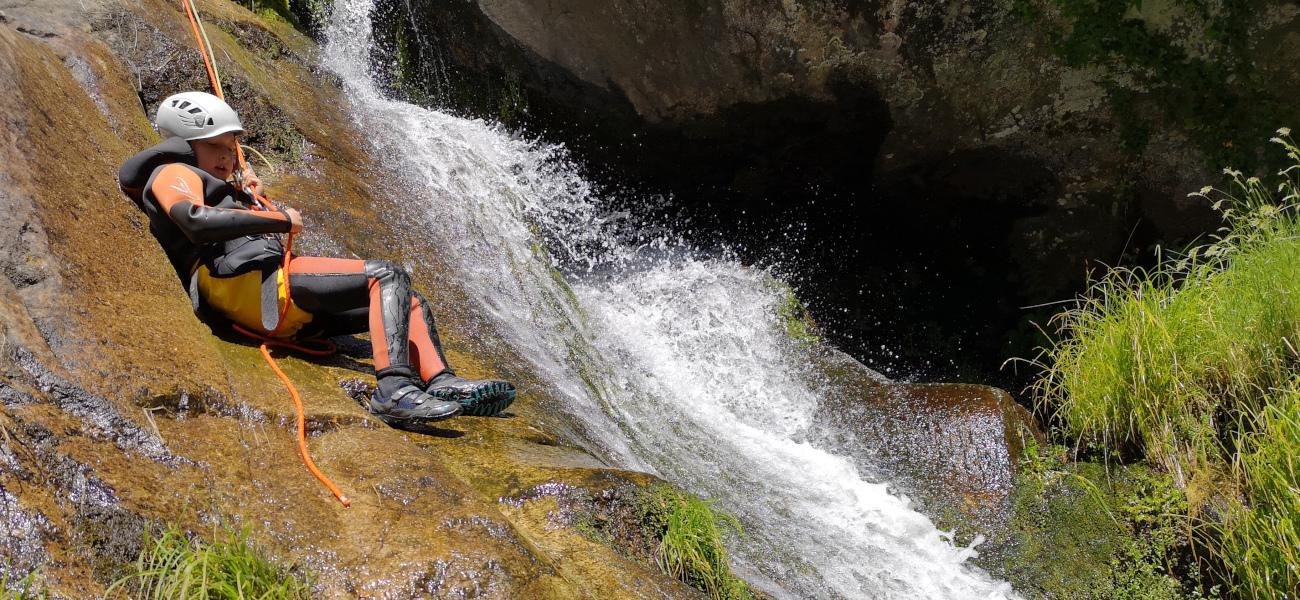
(273, 10)
(1155, 79)
(173, 565)
(794, 315)
(588, 528)
(307, 16)
(1090, 531)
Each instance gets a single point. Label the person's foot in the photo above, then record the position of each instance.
(480, 398)
(408, 406)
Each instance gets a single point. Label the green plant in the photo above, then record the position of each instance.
(173, 566)
(22, 589)
(1264, 536)
(1192, 367)
(690, 549)
(794, 315)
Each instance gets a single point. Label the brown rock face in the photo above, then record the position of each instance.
(960, 445)
(119, 410)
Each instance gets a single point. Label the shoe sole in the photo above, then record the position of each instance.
(486, 401)
(402, 422)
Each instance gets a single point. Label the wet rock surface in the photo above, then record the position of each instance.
(959, 445)
(120, 411)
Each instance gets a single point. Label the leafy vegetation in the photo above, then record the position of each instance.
(174, 566)
(1193, 367)
(690, 533)
(793, 314)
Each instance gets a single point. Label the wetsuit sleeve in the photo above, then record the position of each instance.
(179, 191)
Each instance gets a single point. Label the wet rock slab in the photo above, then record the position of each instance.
(952, 447)
(120, 411)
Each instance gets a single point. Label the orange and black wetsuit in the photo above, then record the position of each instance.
(225, 254)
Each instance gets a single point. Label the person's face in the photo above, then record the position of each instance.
(216, 155)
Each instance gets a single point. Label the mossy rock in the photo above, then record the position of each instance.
(1092, 531)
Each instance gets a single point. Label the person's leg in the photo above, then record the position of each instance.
(333, 286)
(483, 398)
(426, 348)
(336, 286)
(348, 322)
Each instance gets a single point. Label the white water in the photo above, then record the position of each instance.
(670, 362)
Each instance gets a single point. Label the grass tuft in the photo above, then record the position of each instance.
(22, 589)
(1193, 367)
(690, 532)
(173, 566)
(1264, 535)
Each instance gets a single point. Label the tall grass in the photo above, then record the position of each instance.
(690, 532)
(1263, 536)
(1192, 366)
(172, 566)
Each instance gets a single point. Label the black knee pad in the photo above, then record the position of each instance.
(387, 272)
(394, 306)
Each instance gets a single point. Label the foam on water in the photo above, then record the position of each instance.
(672, 362)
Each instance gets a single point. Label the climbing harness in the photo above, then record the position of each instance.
(267, 341)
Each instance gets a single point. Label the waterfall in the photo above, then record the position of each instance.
(671, 361)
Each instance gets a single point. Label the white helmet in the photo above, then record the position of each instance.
(195, 116)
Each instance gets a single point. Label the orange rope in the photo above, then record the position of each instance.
(302, 430)
(203, 48)
(268, 341)
(323, 348)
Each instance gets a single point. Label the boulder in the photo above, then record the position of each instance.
(953, 448)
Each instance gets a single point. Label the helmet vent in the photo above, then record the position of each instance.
(195, 115)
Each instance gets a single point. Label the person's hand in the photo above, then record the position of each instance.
(252, 183)
(295, 220)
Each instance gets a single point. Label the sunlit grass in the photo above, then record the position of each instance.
(172, 566)
(690, 532)
(1263, 537)
(1192, 366)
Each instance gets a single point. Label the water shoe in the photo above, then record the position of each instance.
(410, 406)
(480, 398)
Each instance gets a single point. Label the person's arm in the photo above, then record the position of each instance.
(179, 191)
